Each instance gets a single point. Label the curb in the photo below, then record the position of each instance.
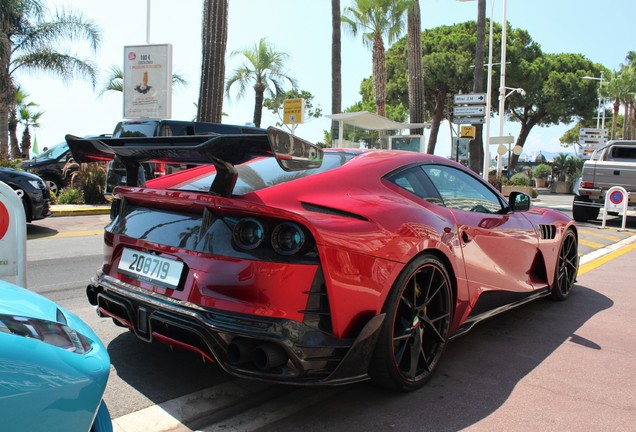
(79, 210)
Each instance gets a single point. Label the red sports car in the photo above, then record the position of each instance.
(286, 263)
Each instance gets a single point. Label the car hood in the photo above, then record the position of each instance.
(18, 301)
(13, 173)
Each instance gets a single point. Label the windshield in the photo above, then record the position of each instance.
(264, 172)
(54, 152)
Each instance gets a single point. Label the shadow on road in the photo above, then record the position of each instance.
(475, 378)
(39, 231)
(158, 372)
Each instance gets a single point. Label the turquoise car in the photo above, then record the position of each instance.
(53, 368)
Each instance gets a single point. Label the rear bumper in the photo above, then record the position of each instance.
(247, 346)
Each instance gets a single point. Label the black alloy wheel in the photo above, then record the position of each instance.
(416, 329)
(566, 267)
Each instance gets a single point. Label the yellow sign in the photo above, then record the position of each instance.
(467, 132)
(293, 111)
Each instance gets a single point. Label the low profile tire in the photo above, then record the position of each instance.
(566, 267)
(415, 332)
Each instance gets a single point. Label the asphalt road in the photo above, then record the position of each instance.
(546, 366)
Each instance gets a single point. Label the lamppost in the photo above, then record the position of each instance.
(486, 166)
(502, 98)
(600, 98)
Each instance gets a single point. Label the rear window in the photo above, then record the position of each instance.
(624, 153)
(265, 172)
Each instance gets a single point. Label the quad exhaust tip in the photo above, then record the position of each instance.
(263, 355)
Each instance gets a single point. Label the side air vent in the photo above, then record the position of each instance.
(332, 211)
(548, 232)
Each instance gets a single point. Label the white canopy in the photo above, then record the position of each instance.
(370, 121)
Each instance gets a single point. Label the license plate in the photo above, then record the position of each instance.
(151, 268)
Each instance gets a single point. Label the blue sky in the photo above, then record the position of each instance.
(602, 31)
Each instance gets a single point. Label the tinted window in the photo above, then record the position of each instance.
(264, 172)
(459, 190)
(416, 182)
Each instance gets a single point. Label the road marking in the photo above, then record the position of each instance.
(600, 235)
(599, 257)
(591, 244)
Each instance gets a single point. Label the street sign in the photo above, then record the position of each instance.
(593, 131)
(293, 110)
(469, 120)
(592, 141)
(470, 110)
(467, 132)
(505, 139)
(470, 98)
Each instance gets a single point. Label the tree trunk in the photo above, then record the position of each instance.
(416, 78)
(438, 115)
(476, 146)
(521, 140)
(26, 142)
(625, 120)
(214, 42)
(379, 75)
(6, 94)
(13, 134)
(336, 67)
(259, 91)
(617, 105)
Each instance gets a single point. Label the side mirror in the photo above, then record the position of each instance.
(519, 201)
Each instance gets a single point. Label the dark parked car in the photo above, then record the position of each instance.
(31, 189)
(55, 166)
(286, 263)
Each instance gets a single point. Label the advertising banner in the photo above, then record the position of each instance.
(148, 81)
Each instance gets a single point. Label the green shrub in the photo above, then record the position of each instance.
(519, 179)
(534, 193)
(70, 196)
(542, 171)
(91, 180)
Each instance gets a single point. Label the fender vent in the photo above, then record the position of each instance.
(548, 232)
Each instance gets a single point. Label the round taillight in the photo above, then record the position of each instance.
(288, 238)
(248, 233)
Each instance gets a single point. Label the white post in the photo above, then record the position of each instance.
(147, 22)
(502, 83)
(486, 166)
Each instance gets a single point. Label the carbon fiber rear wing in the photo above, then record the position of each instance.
(223, 151)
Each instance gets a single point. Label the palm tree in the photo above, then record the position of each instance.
(377, 19)
(336, 65)
(30, 42)
(18, 101)
(28, 118)
(214, 42)
(115, 81)
(616, 88)
(414, 59)
(264, 70)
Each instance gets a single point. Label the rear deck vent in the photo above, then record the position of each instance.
(331, 211)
